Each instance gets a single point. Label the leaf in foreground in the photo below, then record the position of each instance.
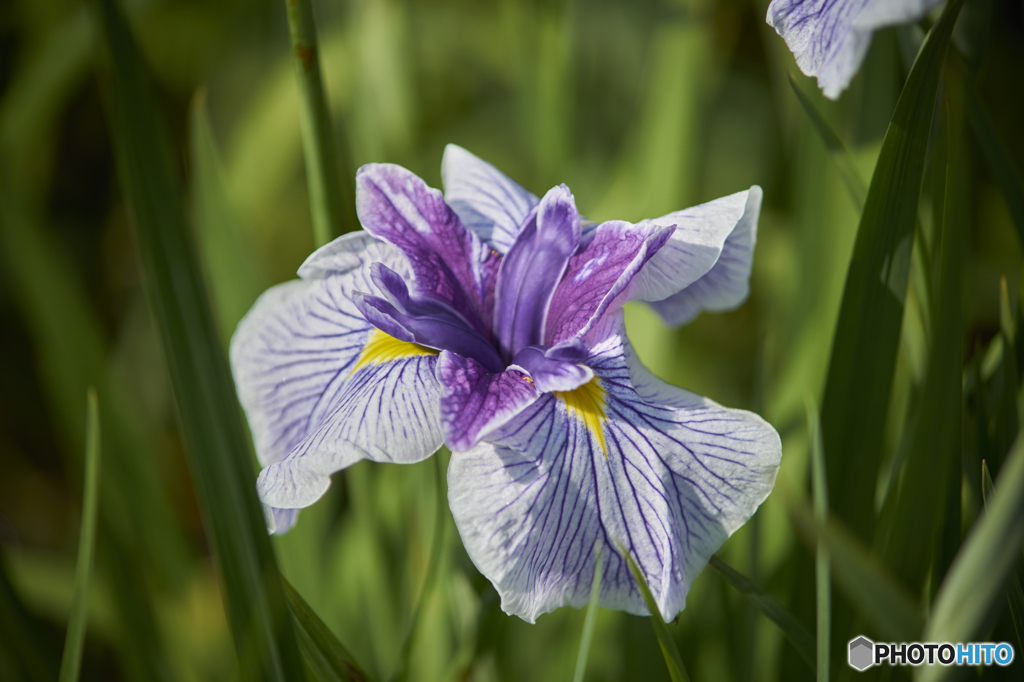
(326, 658)
(214, 436)
(867, 333)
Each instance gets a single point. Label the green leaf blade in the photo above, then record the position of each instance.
(977, 578)
(867, 333)
(588, 623)
(673, 660)
(214, 435)
(74, 642)
(327, 659)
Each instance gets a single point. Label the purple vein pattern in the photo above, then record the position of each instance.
(829, 38)
(489, 320)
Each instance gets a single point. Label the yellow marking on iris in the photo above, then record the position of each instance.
(588, 403)
(384, 348)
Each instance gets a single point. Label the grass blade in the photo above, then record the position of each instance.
(865, 580)
(978, 576)
(588, 623)
(213, 432)
(791, 627)
(867, 333)
(331, 202)
(1016, 595)
(673, 660)
(74, 641)
(836, 149)
(823, 586)
(327, 659)
(433, 565)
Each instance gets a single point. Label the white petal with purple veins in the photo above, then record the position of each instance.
(727, 284)
(294, 354)
(830, 38)
(665, 474)
(706, 263)
(386, 412)
(490, 203)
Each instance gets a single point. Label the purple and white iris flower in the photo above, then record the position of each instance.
(830, 38)
(490, 321)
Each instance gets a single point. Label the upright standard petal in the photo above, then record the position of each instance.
(830, 38)
(706, 263)
(663, 474)
(532, 269)
(303, 356)
(449, 263)
(599, 273)
(489, 202)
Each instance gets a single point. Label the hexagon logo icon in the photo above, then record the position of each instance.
(862, 653)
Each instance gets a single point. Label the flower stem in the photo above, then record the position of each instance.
(328, 198)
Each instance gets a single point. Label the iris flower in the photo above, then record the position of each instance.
(490, 320)
(829, 38)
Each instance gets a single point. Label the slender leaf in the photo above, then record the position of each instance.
(433, 565)
(74, 640)
(867, 333)
(791, 627)
(134, 510)
(823, 586)
(588, 623)
(836, 149)
(1016, 595)
(327, 659)
(330, 200)
(915, 519)
(863, 578)
(213, 431)
(977, 579)
(673, 660)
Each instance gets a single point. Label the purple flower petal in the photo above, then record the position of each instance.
(448, 262)
(421, 323)
(670, 477)
(532, 269)
(706, 263)
(474, 401)
(490, 204)
(599, 274)
(549, 373)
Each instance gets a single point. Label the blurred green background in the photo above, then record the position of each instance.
(641, 107)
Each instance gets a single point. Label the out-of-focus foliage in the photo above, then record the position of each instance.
(641, 108)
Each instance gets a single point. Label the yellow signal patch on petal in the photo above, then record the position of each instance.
(384, 348)
(588, 403)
